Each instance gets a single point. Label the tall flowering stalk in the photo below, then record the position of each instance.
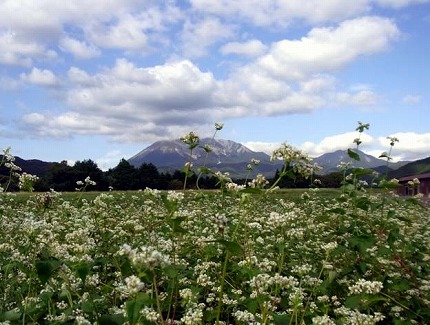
(207, 148)
(8, 161)
(351, 182)
(386, 155)
(250, 168)
(295, 162)
(192, 140)
(360, 128)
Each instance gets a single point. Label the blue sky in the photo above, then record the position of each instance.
(103, 79)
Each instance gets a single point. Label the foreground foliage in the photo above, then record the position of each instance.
(242, 257)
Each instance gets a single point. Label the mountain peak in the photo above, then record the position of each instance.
(226, 156)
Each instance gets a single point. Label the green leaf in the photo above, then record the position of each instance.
(338, 211)
(363, 203)
(46, 267)
(282, 319)
(252, 190)
(353, 155)
(11, 315)
(171, 271)
(401, 285)
(353, 302)
(82, 270)
(133, 308)
(87, 307)
(175, 223)
(204, 170)
(391, 213)
(362, 242)
(111, 319)
(331, 276)
(231, 246)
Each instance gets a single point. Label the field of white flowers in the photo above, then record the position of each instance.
(194, 257)
(240, 255)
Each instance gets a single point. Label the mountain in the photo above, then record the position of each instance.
(31, 166)
(226, 156)
(329, 161)
(421, 166)
(233, 157)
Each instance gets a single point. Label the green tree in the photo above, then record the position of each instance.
(85, 168)
(124, 176)
(148, 176)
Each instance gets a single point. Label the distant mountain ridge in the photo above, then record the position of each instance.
(31, 166)
(233, 157)
(330, 161)
(226, 156)
(417, 167)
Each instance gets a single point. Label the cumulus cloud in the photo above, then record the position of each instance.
(129, 103)
(79, 49)
(16, 51)
(40, 77)
(411, 145)
(259, 146)
(179, 93)
(328, 48)
(282, 13)
(336, 142)
(249, 48)
(197, 37)
(360, 98)
(127, 33)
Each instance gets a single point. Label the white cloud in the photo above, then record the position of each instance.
(80, 77)
(198, 37)
(111, 158)
(79, 49)
(328, 49)
(282, 13)
(127, 33)
(400, 3)
(250, 48)
(258, 146)
(361, 98)
(128, 103)
(337, 142)
(15, 51)
(411, 145)
(411, 99)
(40, 77)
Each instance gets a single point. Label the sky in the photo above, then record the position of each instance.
(104, 79)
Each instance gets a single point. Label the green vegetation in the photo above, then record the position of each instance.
(205, 256)
(244, 254)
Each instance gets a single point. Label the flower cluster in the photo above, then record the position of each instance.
(27, 181)
(191, 140)
(364, 286)
(258, 182)
(144, 257)
(294, 158)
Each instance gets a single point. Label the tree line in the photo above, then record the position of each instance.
(62, 177)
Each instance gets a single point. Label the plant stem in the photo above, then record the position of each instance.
(221, 290)
(157, 297)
